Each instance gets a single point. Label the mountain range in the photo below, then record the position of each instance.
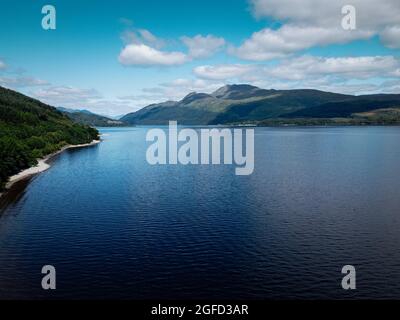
(89, 118)
(246, 104)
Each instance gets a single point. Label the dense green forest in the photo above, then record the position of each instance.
(30, 129)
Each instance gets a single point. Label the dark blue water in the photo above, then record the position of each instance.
(116, 227)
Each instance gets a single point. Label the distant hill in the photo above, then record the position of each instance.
(235, 104)
(30, 129)
(91, 119)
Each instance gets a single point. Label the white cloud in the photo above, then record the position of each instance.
(141, 54)
(371, 14)
(16, 78)
(142, 48)
(66, 95)
(306, 67)
(146, 55)
(20, 82)
(223, 72)
(349, 75)
(324, 84)
(391, 86)
(340, 74)
(390, 37)
(269, 44)
(372, 17)
(203, 47)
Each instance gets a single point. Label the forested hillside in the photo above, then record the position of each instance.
(30, 129)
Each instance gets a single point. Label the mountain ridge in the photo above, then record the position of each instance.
(89, 118)
(243, 103)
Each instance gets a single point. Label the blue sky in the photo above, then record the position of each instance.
(113, 57)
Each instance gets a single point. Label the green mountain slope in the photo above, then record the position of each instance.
(249, 104)
(277, 105)
(90, 119)
(30, 129)
(347, 107)
(234, 104)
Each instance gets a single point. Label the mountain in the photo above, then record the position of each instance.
(68, 110)
(89, 118)
(30, 129)
(348, 107)
(235, 104)
(117, 117)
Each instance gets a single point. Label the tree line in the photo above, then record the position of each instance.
(30, 129)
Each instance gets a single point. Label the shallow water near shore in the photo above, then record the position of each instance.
(116, 227)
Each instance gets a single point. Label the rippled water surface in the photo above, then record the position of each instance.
(116, 227)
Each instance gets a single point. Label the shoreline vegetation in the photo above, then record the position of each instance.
(42, 165)
(31, 130)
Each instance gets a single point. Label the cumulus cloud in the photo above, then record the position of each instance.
(143, 48)
(269, 44)
(371, 14)
(2, 65)
(141, 54)
(203, 46)
(313, 22)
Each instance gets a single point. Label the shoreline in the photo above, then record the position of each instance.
(42, 165)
